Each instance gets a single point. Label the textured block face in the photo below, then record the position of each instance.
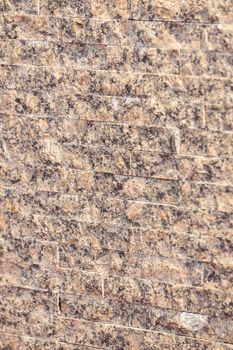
(19, 6)
(116, 174)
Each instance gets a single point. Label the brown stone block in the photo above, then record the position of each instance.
(20, 6)
(185, 89)
(155, 165)
(151, 10)
(26, 27)
(219, 37)
(206, 11)
(125, 264)
(85, 235)
(202, 142)
(196, 344)
(45, 133)
(95, 310)
(202, 169)
(219, 117)
(161, 35)
(103, 8)
(16, 342)
(81, 282)
(104, 335)
(207, 63)
(42, 139)
(206, 169)
(206, 196)
(30, 252)
(219, 273)
(182, 323)
(22, 274)
(28, 312)
(179, 245)
(218, 91)
(176, 297)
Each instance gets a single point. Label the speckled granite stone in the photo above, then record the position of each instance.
(116, 175)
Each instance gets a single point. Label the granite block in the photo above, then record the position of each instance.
(110, 262)
(95, 309)
(16, 342)
(19, 6)
(86, 56)
(147, 292)
(28, 312)
(72, 8)
(155, 10)
(30, 251)
(219, 37)
(202, 169)
(206, 63)
(203, 143)
(192, 343)
(219, 117)
(113, 337)
(206, 11)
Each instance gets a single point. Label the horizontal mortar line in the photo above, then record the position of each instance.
(15, 286)
(26, 336)
(204, 155)
(104, 195)
(115, 96)
(65, 68)
(99, 121)
(83, 68)
(127, 19)
(103, 46)
(151, 279)
(148, 330)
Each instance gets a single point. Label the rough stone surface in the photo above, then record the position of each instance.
(116, 174)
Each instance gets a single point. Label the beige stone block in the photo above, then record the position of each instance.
(103, 8)
(19, 6)
(104, 335)
(35, 311)
(147, 292)
(155, 10)
(206, 11)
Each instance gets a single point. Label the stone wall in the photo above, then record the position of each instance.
(116, 174)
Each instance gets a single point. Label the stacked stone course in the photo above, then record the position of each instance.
(116, 174)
